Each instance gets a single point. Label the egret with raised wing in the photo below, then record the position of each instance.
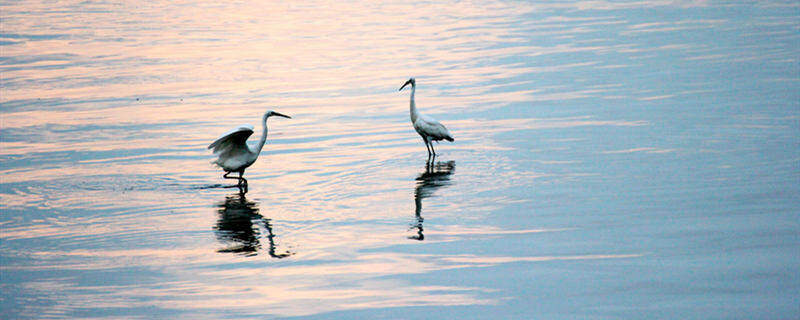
(234, 155)
(427, 127)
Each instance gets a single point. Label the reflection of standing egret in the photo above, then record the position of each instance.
(428, 128)
(239, 223)
(435, 176)
(234, 155)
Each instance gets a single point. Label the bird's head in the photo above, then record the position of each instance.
(411, 81)
(273, 113)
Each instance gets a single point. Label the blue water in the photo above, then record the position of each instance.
(625, 160)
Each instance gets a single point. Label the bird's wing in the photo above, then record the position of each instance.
(235, 137)
(431, 127)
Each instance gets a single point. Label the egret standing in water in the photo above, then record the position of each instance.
(427, 127)
(234, 153)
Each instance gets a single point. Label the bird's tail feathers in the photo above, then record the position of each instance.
(449, 138)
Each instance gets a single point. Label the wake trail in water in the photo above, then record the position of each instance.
(214, 186)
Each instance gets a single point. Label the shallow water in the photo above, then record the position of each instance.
(612, 160)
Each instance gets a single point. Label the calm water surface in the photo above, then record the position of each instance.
(612, 160)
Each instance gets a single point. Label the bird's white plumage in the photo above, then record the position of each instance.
(232, 149)
(234, 137)
(428, 126)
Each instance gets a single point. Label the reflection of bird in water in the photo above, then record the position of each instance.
(428, 128)
(435, 176)
(234, 155)
(239, 223)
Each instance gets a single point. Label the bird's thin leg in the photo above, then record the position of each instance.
(431, 156)
(434, 151)
(242, 180)
(239, 180)
(424, 140)
(227, 177)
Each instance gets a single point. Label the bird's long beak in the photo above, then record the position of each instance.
(405, 84)
(280, 115)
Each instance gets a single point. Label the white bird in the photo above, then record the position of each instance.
(234, 153)
(427, 127)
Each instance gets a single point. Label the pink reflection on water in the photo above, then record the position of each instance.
(282, 288)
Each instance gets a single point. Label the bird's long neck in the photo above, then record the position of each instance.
(413, 106)
(263, 137)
